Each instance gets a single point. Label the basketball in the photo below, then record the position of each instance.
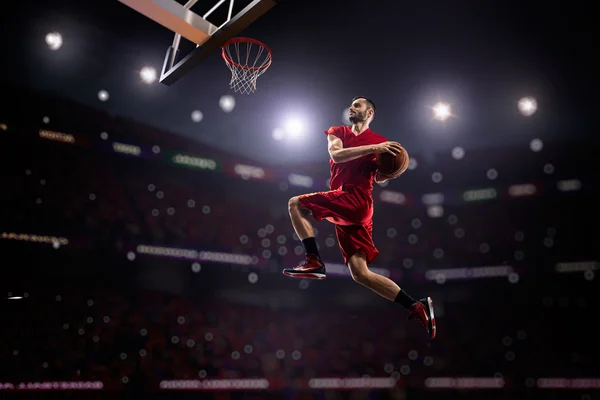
(390, 165)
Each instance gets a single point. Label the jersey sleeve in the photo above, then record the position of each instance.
(336, 131)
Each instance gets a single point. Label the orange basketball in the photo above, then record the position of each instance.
(392, 166)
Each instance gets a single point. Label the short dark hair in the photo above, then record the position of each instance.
(370, 102)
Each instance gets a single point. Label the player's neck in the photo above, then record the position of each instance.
(360, 127)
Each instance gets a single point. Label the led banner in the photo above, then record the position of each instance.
(47, 386)
(569, 383)
(261, 384)
(65, 137)
(35, 238)
(57, 136)
(191, 161)
(246, 171)
(464, 383)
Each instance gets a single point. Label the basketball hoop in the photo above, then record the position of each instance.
(247, 59)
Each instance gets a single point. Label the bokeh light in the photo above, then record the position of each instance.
(54, 40)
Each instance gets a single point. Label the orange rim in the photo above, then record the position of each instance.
(228, 60)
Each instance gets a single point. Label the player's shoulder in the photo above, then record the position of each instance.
(336, 131)
(378, 137)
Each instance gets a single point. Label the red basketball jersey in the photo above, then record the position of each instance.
(361, 171)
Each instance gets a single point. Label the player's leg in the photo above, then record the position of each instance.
(381, 285)
(299, 216)
(337, 206)
(312, 267)
(358, 250)
(303, 226)
(385, 287)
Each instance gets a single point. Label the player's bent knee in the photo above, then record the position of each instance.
(358, 268)
(294, 203)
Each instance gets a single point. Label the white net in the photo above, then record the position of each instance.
(247, 60)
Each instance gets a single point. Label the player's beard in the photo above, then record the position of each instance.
(360, 116)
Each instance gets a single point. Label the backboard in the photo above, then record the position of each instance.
(207, 23)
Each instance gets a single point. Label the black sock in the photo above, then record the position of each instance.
(404, 299)
(310, 246)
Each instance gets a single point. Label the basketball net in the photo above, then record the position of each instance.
(247, 59)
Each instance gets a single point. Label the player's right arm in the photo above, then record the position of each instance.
(339, 154)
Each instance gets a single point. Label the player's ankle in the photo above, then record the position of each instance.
(310, 247)
(404, 299)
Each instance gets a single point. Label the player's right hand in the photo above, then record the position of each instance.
(389, 147)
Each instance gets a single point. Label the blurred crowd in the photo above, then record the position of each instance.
(141, 337)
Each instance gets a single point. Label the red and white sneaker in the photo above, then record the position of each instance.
(311, 268)
(423, 311)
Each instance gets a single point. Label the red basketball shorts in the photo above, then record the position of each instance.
(351, 210)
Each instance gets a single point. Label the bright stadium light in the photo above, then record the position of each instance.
(442, 111)
(294, 127)
(227, 103)
(527, 106)
(148, 75)
(103, 95)
(54, 40)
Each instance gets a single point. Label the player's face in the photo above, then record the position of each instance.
(359, 111)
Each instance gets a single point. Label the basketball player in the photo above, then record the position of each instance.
(349, 205)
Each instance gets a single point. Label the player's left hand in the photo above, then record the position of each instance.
(380, 178)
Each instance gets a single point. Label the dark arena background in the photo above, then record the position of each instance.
(144, 227)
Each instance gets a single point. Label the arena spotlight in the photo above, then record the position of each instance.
(54, 40)
(527, 106)
(294, 127)
(227, 103)
(148, 75)
(103, 95)
(442, 111)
